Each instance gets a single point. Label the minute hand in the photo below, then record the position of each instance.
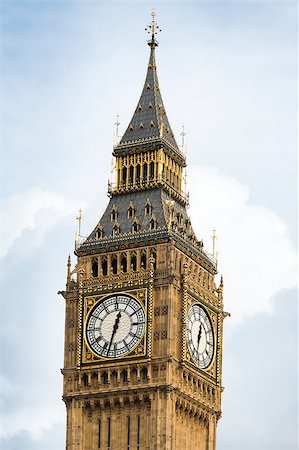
(199, 336)
(115, 327)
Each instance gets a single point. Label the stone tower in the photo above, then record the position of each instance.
(143, 320)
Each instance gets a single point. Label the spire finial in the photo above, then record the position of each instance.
(214, 237)
(117, 123)
(153, 24)
(183, 134)
(79, 218)
(153, 29)
(69, 267)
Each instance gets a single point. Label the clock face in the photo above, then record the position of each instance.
(115, 326)
(200, 336)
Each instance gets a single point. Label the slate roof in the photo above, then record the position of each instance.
(171, 218)
(149, 122)
(149, 127)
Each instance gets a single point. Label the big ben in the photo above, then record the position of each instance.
(143, 316)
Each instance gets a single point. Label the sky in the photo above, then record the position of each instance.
(228, 72)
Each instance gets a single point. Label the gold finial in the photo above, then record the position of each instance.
(153, 24)
(214, 237)
(117, 123)
(79, 218)
(183, 134)
(221, 282)
(69, 267)
(153, 29)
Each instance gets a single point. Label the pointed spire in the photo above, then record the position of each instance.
(149, 123)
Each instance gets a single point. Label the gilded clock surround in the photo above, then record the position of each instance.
(210, 368)
(144, 246)
(88, 355)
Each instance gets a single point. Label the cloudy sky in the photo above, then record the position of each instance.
(228, 72)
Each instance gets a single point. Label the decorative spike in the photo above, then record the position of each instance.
(214, 237)
(69, 268)
(183, 134)
(117, 123)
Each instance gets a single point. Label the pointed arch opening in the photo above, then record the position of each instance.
(114, 214)
(131, 174)
(148, 208)
(133, 262)
(124, 175)
(143, 260)
(104, 266)
(153, 224)
(138, 171)
(124, 263)
(95, 267)
(145, 172)
(152, 170)
(114, 264)
(131, 211)
(99, 232)
(116, 230)
(135, 226)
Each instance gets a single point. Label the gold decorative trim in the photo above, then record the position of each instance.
(212, 368)
(79, 323)
(87, 355)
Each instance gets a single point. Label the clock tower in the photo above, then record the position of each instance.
(143, 317)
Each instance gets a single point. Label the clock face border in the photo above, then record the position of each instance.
(210, 369)
(89, 303)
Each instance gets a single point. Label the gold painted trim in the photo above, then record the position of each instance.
(96, 299)
(214, 331)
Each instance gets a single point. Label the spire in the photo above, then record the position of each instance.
(149, 123)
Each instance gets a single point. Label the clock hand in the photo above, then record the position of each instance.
(115, 327)
(198, 337)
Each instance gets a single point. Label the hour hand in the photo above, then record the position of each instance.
(199, 334)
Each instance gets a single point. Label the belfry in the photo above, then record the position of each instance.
(143, 316)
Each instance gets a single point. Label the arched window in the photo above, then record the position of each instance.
(114, 214)
(135, 226)
(123, 263)
(125, 375)
(104, 266)
(152, 170)
(179, 218)
(99, 232)
(148, 208)
(131, 172)
(144, 374)
(124, 175)
(131, 211)
(85, 380)
(143, 259)
(115, 230)
(153, 224)
(95, 267)
(114, 264)
(104, 377)
(145, 172)
(134, 262)
(138, 173)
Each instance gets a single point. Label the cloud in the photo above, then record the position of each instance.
(260, 378)
(256, 256)
(33, 209)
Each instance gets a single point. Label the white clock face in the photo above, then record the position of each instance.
(200, 336)
(115, 326)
